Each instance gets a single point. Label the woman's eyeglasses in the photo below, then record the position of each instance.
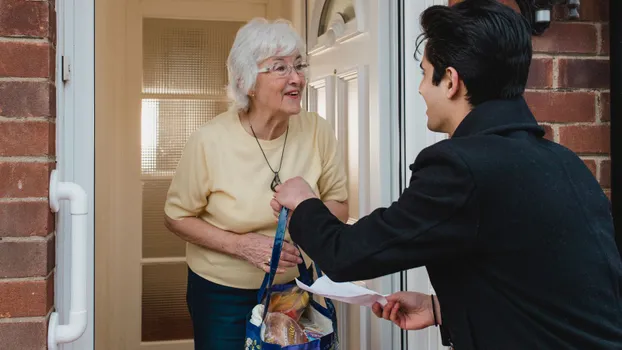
(283, 70)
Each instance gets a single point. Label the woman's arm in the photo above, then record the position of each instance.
(339, 209)
(201, 233)
(252, 247)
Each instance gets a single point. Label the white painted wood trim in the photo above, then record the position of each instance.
(331, 100)
(75, 145)
(339, 32)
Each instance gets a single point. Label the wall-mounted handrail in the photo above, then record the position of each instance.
(67, 333)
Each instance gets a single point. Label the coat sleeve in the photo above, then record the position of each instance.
(435, 218)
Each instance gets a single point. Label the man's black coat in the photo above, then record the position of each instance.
(515, 232)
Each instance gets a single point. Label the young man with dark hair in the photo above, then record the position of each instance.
(515, 232)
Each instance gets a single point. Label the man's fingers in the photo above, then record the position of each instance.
(395, 312)
(377, 310)
(275, 205)
(386, 311)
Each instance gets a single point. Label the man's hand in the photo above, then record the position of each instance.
(408, 310)
(291, 193)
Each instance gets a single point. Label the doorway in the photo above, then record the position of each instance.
(160, 74)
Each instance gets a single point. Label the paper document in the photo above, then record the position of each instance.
(346, 292)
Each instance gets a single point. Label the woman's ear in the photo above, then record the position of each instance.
(453, 82)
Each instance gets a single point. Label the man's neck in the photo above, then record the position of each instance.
(457, 117)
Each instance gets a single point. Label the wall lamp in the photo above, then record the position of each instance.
(538, 12)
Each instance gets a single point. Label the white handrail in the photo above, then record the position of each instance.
(58, 334)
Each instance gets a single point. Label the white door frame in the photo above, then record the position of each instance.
(75, 155)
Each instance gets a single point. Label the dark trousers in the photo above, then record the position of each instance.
(218, 313)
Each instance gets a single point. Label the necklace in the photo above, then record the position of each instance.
(275, 180)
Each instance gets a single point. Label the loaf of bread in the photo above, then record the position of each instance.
(283, 330)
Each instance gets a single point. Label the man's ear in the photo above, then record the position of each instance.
(453, 82)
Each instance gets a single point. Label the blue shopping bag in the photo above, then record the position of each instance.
(325, 315)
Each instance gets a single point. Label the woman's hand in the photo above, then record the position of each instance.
(257, 250)
(408, 310)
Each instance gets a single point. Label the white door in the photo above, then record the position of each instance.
(161, 74)
(349, 47)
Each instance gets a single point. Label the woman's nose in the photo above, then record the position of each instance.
(295, 77)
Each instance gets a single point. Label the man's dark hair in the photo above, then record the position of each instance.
(488, 43)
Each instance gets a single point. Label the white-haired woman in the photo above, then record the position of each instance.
(219, 199)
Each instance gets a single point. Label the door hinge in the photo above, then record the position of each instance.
(66, 64)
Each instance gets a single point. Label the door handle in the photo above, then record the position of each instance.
(75, 194)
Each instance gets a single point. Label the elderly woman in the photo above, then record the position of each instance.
(219, 198)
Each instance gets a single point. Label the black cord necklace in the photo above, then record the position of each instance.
(275, 180)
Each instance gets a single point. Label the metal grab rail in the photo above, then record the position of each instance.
(58, 334)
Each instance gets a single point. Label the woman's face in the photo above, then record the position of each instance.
(279, 85)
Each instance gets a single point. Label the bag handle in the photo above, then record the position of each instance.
(305, 277)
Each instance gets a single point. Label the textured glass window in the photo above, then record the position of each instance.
(184, 79)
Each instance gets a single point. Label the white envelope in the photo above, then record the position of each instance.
(346, 292)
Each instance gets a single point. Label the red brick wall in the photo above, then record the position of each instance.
(568, 86)
(27, 139)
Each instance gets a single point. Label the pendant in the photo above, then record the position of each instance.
(275, 182)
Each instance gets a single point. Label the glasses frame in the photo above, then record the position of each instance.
(288, 71)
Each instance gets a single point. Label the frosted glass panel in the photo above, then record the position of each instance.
(166, 126)
(186, 57)
(331, 10)
(353, 147)
(164, 312)
(158, 241)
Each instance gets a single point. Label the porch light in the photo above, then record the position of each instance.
(538, 12)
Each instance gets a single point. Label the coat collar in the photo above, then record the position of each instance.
(499, 116)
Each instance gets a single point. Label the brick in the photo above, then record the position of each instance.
(589, 11)
(583, 73)
(27, 219)
(605, 174)
(540, 73)
(24, 18)
(19, 180)
(52, 21)
(26, 298)
(27, 138)
(563, 37)
(605, 107)
(562, 107)
(604, 42)
(26, 258)
(585, 138)
(27, 99)
(25, 59)
(591, 164)
(549, 134)
(31, 335)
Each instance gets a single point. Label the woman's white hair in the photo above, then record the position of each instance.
(255, 42)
